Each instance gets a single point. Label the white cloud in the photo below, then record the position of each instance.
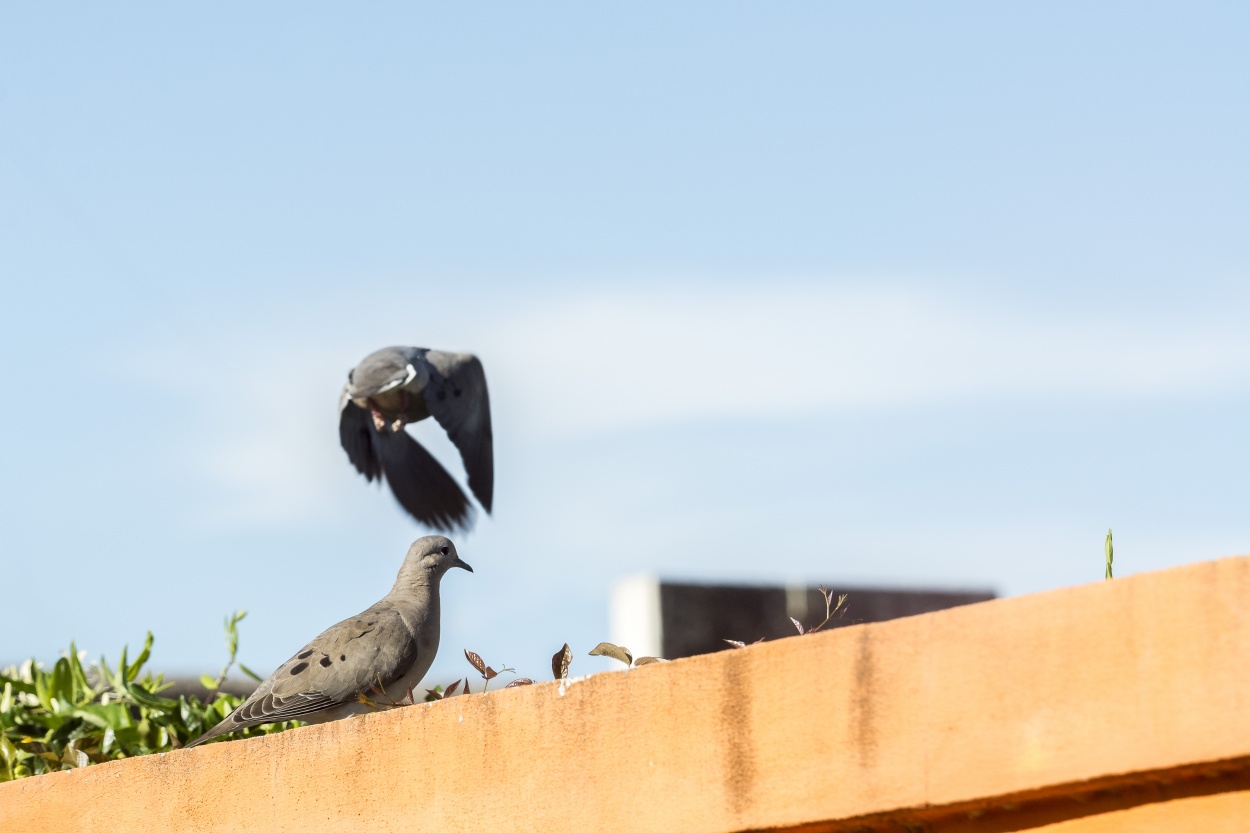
(608, 362)
(265, 405)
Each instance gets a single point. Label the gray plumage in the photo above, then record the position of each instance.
(395, 386)
(387, 648)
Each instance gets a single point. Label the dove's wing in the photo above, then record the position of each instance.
(420, 484)
(356, 434)
(456, 395)
(371, 650)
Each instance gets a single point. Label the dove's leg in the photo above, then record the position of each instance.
(379, 421)
(404, 401)
(382, 419)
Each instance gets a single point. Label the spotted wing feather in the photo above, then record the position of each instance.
(373, 649)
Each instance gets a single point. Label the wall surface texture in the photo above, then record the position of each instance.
(1116, 706)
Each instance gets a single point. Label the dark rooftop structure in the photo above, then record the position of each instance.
(679, 619)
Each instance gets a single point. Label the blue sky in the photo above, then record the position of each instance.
(898, 294)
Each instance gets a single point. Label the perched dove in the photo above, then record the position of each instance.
(398, 385)
(388, 648)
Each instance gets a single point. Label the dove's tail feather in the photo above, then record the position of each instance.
(224, 727)
(420, 483)
(236, 720)
(260, 708)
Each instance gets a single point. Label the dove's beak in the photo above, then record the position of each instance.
(460, 563)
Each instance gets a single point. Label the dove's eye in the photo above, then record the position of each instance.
(445, 550)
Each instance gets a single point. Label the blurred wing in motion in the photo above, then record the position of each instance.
(457, 397)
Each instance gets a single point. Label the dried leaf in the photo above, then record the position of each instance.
(433, 694)
(490, 673)
(648, 660)
(561, 661)
(735, 643)
(451, 689)
(797, 625)
(476, 661)
(466, 686)
(520, 681)
(830, 608)
(73, 757)
(607, 649)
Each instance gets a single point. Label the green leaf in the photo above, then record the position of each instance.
(143, 697)
(232, 632)
(19, 684)
(8, 754)
(112, 716)
(249, 672)
(107, 672)
(208, 682)
(61, 684)
(133, 670)
(127, 738)
(41, 689)
(74, 716)
(1110, 550)
(83, 693)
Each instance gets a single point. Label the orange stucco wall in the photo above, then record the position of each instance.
(1221, 813)
(1112, 706)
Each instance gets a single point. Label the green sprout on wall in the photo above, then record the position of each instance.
(1110, 554)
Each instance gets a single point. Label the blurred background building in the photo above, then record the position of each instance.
(668, 619)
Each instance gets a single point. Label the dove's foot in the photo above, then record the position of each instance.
(379, 421)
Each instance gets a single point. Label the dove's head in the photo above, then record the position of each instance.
(428, 558)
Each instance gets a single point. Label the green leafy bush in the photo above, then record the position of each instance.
(74, 715)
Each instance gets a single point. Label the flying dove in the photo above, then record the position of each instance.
(398, 385)
(388, 648)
